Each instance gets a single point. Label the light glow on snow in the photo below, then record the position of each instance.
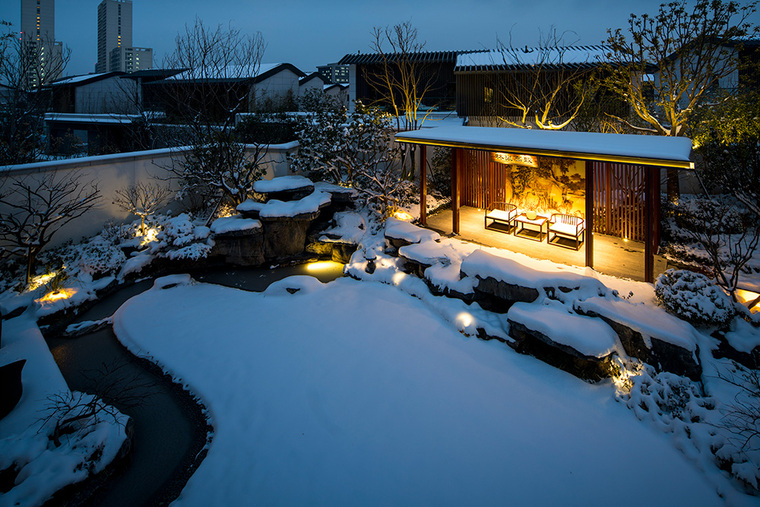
(403, 215)
(464, 319)
(58, 294)
(746, 297)
(149, 237)
(39, 281)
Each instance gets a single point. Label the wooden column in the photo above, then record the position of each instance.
(589, 213)
(455, 168)
(423, 185)
(651, 183)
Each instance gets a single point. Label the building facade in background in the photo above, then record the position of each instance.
(334, 73)
(37, 36)
(116, 53)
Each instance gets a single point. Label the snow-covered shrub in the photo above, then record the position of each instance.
(100, 257)
(693, 297)
(179, 238)
(177, 231)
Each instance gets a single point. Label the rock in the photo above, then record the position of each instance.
(664, 356)
(284, 238)
(497, 296)
(539, 345)
(241, 248)
(10, 380)
(342, 252)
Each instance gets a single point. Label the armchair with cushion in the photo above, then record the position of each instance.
(568, 227)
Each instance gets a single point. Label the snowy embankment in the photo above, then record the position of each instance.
(28, 434)
(356, 393)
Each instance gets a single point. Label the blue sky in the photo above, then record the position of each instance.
(308, 33)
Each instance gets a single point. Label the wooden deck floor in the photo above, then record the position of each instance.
(612, 255)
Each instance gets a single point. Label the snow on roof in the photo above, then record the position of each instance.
(569, 56)
(235, 72)
(589, 336)
(79, 79)
(309, 204)
(282, 183)
(653, 150)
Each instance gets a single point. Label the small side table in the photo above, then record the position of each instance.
(526, 228)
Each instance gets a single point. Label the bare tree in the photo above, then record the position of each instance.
(401, 80)
(25, 100)
(34, 207)
(547, 85)
(728, 236)
(666, 64)
(142, 199)
(220, 65)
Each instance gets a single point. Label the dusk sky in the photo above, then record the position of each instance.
(310, 33)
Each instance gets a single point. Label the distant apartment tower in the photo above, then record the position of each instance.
(131, 59)
(115, 49)
(38, 38)
(335, 73)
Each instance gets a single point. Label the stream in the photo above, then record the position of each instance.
(169, 427)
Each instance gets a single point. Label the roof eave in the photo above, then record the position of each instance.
(597, 157)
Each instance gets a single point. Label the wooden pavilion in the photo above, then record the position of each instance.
(608, 183)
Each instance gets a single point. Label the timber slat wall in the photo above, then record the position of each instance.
(483, 180)
(619, 200)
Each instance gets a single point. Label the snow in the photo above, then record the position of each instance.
(350, 228)
(743, 336)
(589, 336)
(484, 264)
(249, 205)
(309, 204)
(649, 321)
(398, 229)
(332, 188)
(572, 144)
(281, 184)
(233, 224)
(344, 405)
(25, 441)
(548, 56)
(77, 79)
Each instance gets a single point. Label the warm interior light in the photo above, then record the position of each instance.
(403, 215)
(322, 266)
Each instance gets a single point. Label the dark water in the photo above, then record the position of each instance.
(169, 429)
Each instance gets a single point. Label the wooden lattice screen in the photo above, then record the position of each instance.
(619, 200)
(483, 180)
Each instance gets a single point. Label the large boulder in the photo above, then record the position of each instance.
(649, 334)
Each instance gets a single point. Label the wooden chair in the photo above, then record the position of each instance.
(500, 213)
(568, 227)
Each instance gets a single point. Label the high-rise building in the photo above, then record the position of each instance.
(38, 39)
(131, 59)
(115, 49)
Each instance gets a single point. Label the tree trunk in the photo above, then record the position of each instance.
(674, 187)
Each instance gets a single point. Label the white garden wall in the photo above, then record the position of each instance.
(118, 171)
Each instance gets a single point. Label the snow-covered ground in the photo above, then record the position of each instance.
(354, 393)
(27, 434)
